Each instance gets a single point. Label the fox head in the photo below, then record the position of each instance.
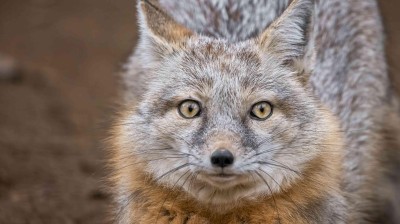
(224, 120)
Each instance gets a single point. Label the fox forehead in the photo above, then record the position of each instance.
(208, 66)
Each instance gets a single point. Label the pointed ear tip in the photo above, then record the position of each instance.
(144, 2)
(146, 5)
(143, 5)
(302, 3)
(159, 25)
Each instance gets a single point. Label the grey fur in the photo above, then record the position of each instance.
(343, 66)
(232, 20)
(350, 77)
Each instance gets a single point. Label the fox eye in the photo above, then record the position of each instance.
(189, 109)
(261, 111)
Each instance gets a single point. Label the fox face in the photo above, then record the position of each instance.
(225, 121)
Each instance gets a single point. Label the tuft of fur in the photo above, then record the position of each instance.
(317, 159)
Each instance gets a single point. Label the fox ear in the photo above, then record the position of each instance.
(160, 27)
(286, 37)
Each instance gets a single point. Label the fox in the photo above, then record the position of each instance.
(260, 111)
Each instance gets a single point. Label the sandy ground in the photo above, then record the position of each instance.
(54, 108)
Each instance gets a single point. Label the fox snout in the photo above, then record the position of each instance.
(222, 150)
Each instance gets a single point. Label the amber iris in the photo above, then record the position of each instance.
(261, 111)
(189, 109)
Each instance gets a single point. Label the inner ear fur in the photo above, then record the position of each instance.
(287, 36)
(159, 25)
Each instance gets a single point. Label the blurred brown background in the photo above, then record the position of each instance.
(54, 108)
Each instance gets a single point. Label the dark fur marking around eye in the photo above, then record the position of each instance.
(249, 138)
(198, 138)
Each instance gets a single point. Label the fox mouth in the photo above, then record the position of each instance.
(222, 188)
(222, 176)
(221, 179)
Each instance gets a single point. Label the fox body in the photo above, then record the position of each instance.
(256, 112)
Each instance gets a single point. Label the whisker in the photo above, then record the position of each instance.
(130, 198)
(278, 165)
(290, 198)
(169, 193)
(290, 147)
(133, 153)
(173, 170)
(183, 184)
(139, 152)
(272, 195)
(158, 151)
(284, 166)
(168, 154)
(147, 161)
(174, 135)
(252, 176)
(275, 134)
(192, 180)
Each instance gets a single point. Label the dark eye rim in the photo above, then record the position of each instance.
(254, 117)
(193, 101)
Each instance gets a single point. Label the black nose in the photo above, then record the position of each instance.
(222, 158)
